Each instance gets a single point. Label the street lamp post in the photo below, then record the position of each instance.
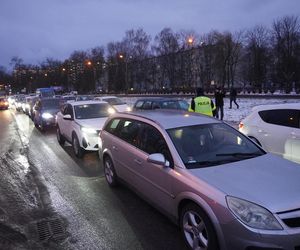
(190, 42)
(121, 56)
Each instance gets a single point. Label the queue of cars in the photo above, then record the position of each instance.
(223, 189)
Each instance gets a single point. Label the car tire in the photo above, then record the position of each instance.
(197, 229)
(35, 123)
(78, 151)
(61, 140)
(109, 172)
(42, 126)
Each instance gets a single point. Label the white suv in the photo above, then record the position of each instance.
(80, 122)
(116, 102)
(276, 128)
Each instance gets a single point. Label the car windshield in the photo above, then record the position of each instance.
(51, 103)
(212, 144)
(90, 111)
(183, 105)
(114, 101)
(84, 98)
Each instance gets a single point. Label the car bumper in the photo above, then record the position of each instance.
(238, 236)
(2, 106)
(49, 122)
(90, 142)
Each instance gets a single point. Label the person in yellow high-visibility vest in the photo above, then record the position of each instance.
(202, 104)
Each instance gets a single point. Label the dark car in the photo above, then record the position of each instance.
(3, 103)
(45, 110)
(160, 103)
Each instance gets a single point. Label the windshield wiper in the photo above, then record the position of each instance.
(202, 164)
(240, 154)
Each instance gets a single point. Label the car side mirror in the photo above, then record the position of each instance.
(67, 117)
(158, 159)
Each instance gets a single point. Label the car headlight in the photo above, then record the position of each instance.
(252, 215)
(47, 116)
(111, 111)
(88, 130)
(128, 109)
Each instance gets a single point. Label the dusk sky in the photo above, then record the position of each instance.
(36, 29)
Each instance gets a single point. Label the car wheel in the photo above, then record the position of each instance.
(61, 140)
(42, 126)
(78, 151)
(110, 173)
(35, 122)
(197, 229)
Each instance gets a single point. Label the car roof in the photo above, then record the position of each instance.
(295, 105)
(159, 99)
(107, 96)
(75, 103)
(170, 118)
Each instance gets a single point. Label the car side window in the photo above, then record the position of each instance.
(69, 110)
(38, 105)
(139, 104)
(147, 105)
(282, 117)
(155, 105)
(152, 142)
(112, 126)
(128, 130)
(63, 109)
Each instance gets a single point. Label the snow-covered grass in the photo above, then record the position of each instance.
(234, 115)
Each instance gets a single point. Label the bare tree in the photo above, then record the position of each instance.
(286, 39)
(166, 45)
(257, 57)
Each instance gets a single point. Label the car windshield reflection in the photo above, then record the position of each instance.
(212, 144)
(114, 101)
(90, 111)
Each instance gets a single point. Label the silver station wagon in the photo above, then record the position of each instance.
(221, 188)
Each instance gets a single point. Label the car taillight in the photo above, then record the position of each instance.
(241, 125)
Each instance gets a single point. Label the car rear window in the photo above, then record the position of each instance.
(281, 117)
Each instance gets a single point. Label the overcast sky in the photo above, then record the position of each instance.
(36, 29)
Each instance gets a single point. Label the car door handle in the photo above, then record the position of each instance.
(139, 162)
(115, 148)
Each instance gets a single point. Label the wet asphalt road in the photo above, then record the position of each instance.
(94, 216)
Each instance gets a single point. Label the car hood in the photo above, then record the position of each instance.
(95, 123)
(121, 107)
(51, 111)
(267, 180)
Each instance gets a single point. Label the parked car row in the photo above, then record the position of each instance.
(223, 189)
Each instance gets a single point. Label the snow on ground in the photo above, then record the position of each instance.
(234, 115)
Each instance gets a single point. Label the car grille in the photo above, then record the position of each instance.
(292, 222)
(291, 218)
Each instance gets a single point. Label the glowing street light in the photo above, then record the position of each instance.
(190, 40)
